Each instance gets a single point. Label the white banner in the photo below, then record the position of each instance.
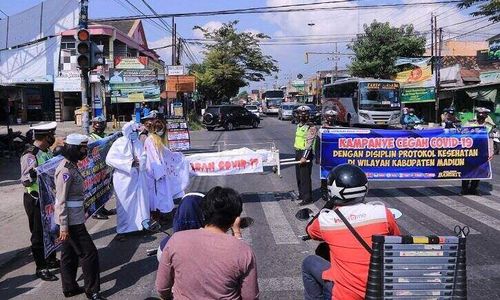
(175, 70)
(68, 83)
(222, 163)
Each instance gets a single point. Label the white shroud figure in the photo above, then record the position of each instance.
(168, 174)
(132, 204)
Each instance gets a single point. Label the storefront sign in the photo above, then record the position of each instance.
(418, 95)
(175, 70)
(183, 84)
(129, 86)
(430, 154)
(135, 63)
(68, 83)
(97, 186)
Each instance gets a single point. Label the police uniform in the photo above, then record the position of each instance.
(305, 136)
(470, 186)
(32, 158)
(95, 136)
(328, 124)
(70, 216)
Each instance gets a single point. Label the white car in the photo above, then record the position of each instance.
(253, 109)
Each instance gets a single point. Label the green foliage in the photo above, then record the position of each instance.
(231, 61)
(194, 122)
(377, 49)
(489, 8)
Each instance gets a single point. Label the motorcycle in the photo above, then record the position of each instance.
(13, 143)
(322, 249)
(155, 227)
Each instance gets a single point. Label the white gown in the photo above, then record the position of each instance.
(132, 204)
(168, 174)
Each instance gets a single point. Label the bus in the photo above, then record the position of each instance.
(271, 101)
(363, 101)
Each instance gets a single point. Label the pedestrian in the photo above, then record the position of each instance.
(34, 156)
(127, 157)
(470, 187)
(98, 128)
(345, 275)
(305, 136)
(330, 123)
(77, 245)
(207, 263)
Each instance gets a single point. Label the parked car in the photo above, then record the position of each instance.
(315, 114)
(285, 111)
(229, 117)
(253, 109)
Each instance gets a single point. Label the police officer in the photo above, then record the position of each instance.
(449, 118)
(305, 136)
(98, 128)
(77, 245)
(330, 122)
(469, 187)
(36, 155)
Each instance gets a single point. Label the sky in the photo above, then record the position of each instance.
(316, 30)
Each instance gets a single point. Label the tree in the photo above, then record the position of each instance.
(489, 8)
(232, 60)
(377, 49)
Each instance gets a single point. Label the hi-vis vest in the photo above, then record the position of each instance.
(95, 136)
(41, 158)
(301, 137)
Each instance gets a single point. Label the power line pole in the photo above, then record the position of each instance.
(174, 46)
(83, 24)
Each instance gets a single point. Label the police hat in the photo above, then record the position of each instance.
(76, 139)
(44, 128)
(484, 110)
(449, 110)
(330, 112)
(99, 119)
(303, 109)
(152, 115)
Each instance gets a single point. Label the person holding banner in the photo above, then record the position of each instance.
(36, 155)
(127, 157)
(330, 120)
(469, 187)
(305, 136)
(69, 214)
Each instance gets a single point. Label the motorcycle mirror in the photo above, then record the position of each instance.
(396, 213)
(304, 214)
(245, 222)
(151, 225)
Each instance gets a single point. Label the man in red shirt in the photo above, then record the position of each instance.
(346, 275)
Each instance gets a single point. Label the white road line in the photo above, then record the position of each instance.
(279, 284)
(281, 229)
(407, 223)
(481, 200)
(468, 211)
(429, 211)
(35, 289)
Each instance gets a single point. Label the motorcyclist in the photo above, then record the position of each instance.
(410, 120)
(330, 123)
(449, 118)
(345, 275)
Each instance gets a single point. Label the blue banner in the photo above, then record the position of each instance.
(428, 154)
(97, 185)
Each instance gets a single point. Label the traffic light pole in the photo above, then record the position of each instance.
(83, 24)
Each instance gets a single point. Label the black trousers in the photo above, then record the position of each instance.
(303, 174)
(324, 189)
(470, 186)
(79, 248)
(32, 208)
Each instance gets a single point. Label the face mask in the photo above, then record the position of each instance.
(160, 132)
(133, 136)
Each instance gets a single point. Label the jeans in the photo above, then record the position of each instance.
(314, 286)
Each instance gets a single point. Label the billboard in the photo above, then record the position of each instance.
(181, 83)
(416, 80)
(494, 50)
(431, 154)
(134, 85)
(135, 63)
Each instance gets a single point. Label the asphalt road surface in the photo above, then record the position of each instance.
(428, 209)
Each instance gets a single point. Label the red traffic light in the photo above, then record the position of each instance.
(83, 35)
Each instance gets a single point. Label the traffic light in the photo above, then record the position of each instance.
(83, 48)
(96, 55)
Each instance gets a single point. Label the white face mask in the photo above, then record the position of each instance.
(134, 136)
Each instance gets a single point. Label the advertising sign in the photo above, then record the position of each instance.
(178, 135)
(129, 86)
(68, 82)
(97, 187)
(418, 95)
(430, 154)
(494, 50)
(417, 81)
(183, 84)
(135, 63)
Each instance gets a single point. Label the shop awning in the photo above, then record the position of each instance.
(480, 92)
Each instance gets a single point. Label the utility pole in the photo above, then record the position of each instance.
(438, 74)
(83, 24)
(174, 40)
(336, 59)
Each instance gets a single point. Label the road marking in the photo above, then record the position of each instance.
(35, 289)
(480, 200)
(283, 233)
(279, 284)
(429, 211)
(468, 211)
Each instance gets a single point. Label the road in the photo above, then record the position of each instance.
(428, 208)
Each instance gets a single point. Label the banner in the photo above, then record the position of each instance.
(135, 63)
(418, 95)
(417, 81)
(225, 163)
(428, 154)
(97, 186)
(129, 86)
